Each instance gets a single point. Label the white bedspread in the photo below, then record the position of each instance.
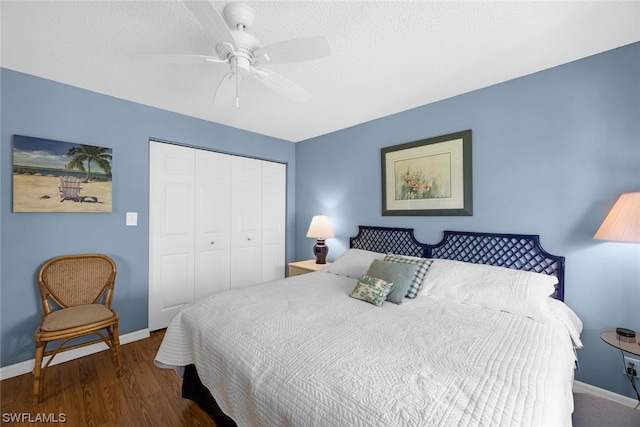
(301, 352)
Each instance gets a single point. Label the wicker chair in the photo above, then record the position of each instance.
(82, 287)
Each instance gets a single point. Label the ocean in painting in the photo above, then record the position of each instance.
(30, 170)
(45, 157)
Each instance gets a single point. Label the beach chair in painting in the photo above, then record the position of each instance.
(70, 189)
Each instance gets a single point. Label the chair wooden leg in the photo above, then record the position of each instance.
(38, 373)
(115, 348)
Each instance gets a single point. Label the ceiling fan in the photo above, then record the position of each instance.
(244, 54)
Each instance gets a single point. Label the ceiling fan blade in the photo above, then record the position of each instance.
(295, 50)
(211, 20)
(177, 58)
(282, 85)
(226, 92)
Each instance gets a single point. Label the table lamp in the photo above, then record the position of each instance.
(320, 229)
(622, 224)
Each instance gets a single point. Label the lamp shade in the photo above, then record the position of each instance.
(622, 224)
(320, 227)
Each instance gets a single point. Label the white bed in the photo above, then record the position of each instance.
(301, 352)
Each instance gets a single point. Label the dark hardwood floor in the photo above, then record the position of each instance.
(86, 392)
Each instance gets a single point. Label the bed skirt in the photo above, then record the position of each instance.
(193, 389)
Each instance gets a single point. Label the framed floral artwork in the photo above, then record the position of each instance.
(428, 177)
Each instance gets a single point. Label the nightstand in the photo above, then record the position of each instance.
(303, 267)
(611, 338)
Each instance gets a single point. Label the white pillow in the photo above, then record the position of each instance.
(570, 319)
(516, 291)
(353, 263)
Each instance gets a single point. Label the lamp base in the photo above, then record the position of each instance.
(320, 250)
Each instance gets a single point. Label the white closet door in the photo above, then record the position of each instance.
(216, 222)
(171, 231)
(246, 222)
(273, 220)
(212, 223)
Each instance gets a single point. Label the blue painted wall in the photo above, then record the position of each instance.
(42, 108)
(552, 152)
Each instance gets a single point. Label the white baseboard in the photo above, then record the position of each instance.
(579, 387)
(27, 366)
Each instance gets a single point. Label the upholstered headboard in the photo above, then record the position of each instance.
(517, 251)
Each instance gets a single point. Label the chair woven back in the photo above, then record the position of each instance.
(73, 280)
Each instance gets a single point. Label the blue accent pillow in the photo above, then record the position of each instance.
(421, 272)
(400, 274)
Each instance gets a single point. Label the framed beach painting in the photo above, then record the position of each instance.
(56, 176)
(428, 177)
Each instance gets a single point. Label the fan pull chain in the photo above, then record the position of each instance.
(237, 85)
(237, 90)
(240, 27)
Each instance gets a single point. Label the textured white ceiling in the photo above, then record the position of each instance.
(388, 56)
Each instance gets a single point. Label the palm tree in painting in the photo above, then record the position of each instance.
(89, 153)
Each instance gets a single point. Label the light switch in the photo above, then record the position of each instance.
(132, 218)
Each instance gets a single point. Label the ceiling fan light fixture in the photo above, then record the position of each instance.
(245, 54)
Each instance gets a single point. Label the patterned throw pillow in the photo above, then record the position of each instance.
(371, 290)
(420, 274)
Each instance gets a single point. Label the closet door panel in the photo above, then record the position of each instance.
(246, 222)
(171, 231)
(212, 221)
(273, 220)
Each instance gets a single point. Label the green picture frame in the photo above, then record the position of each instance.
(428, 177)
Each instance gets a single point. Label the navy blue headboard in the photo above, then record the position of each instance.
(517, 251)
(388, 240)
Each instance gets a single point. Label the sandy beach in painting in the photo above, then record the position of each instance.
(37, 193)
